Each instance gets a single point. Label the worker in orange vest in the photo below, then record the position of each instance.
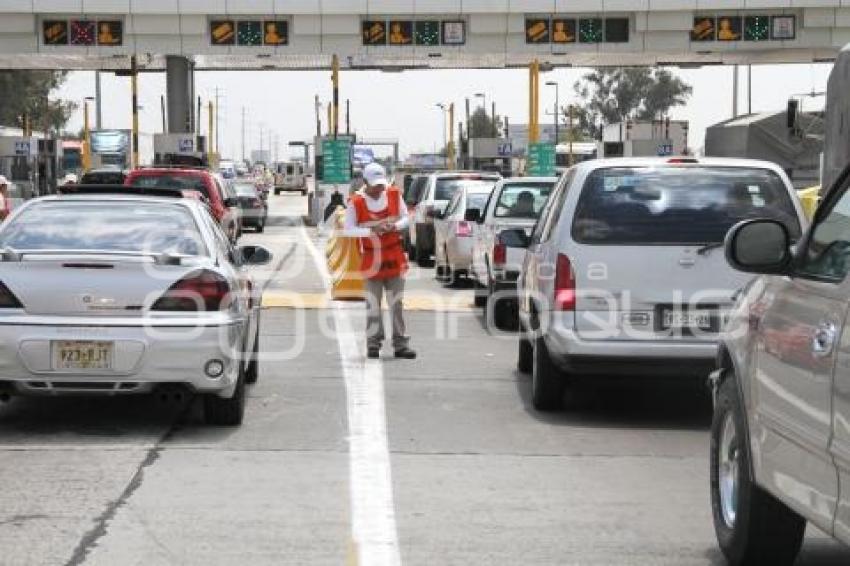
(377, 215)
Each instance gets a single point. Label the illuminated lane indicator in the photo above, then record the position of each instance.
(82, 32)
(427, 32)
(729, 28)
(783, 27)
(222, 32)
(374, 32)
(110, 32)
(401, 32)
(563, 30)
(590, 30)
(276, 32)
(756, 28)
(537, 30)
(249, 32)
(55, 32)
(705, 29)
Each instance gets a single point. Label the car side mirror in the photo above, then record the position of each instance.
(231, 202)
(759, 246)
(255, 255)
(515, 238)
(472, 215)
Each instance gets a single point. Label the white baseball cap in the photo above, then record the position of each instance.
(3, 180)
(375, 174)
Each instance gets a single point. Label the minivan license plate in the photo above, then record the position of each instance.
(82, 355)
(688, 319)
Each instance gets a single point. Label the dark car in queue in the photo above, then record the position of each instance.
(254, 207)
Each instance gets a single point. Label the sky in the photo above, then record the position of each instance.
(403, 106)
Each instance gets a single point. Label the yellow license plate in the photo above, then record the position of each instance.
(82, 355)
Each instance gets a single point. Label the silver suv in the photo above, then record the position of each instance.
(780, 437)
(623, 273)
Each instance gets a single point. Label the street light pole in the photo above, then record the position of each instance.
(442, 108)
(557, 105)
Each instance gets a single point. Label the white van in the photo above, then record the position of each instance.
(289, 176)
(625, 272)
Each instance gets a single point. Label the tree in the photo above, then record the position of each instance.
(27, 92)
(482, 125)
(628, 93)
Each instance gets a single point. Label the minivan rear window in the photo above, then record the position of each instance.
(447, 186)
(523, 200)
(677, 205)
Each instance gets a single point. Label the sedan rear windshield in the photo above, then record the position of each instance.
(523, 200)
(113, 226)
(447, 186)
(182, 182)
(677, 205)
(245, 189)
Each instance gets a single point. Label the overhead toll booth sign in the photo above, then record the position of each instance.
(82, 32)
(374, 32)
(705, 29)
(55, 32)
(222, 32)
(401, 32)
(427, 32)
(536, 30)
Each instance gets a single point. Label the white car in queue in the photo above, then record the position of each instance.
(625, 274)
(116, 290)
(454, 231)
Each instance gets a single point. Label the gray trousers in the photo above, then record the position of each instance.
(394, 289)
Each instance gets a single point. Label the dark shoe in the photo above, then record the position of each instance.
(406, 353)
(374, 353)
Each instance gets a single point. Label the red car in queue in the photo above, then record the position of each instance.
(218, 194)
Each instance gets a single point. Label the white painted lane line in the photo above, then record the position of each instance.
(373, 526)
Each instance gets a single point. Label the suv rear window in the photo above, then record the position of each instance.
(447, 186)
(677, 205)
(522, 200)
(182, 182)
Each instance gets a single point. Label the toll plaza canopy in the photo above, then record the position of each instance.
(403, 34)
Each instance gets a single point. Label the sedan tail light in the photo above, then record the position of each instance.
(565, 285)
(8, 300)
(464, 229)
(198, 291)
(500, 253)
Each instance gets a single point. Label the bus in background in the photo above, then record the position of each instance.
(72, 157)
(580, 151)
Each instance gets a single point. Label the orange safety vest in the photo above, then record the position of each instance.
(382, 257)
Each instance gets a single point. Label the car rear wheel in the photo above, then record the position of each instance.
(261, 226)
(752, 526)
(422, 257)
(504, 309)
(547, 382)
(227, 412)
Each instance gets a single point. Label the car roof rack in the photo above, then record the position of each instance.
(174, 166)
(121, 190)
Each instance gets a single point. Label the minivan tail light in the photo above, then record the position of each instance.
(198, 291)
(464, 229)
(8, 300)
(500, 253)
(565, 284)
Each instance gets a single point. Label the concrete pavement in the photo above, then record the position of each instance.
(477, 476)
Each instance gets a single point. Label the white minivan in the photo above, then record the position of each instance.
(289, 176)
(625, 271)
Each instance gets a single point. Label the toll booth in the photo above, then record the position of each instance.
(19, 164)
(110, 148)
(491, 154)
(182, 149)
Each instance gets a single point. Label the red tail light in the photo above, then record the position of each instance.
(565, 285)
(464, 229)
(198, 291)
(500, 253)
(8, 300)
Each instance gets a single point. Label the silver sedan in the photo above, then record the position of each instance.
(119, 294)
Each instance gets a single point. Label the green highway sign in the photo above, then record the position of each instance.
(541, 160)
(336, 161)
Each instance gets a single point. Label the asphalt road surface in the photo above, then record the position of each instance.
(341, 461)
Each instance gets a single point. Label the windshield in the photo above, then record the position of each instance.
(447, 186)
(105, 226)
(182, 182)
(245, 189)
(677, 205)
(523, 200)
